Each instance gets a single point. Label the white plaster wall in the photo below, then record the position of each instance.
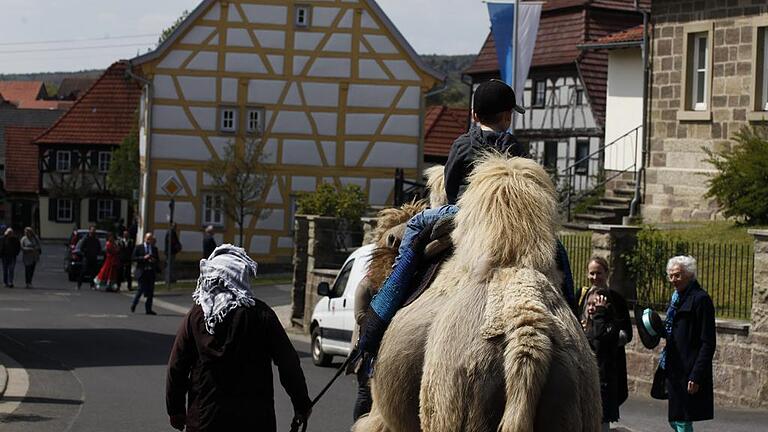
(353, 151)
(339, 42)
(407, 125)
(292, 97)
(380, 190)
(161, 213)
(233, 15)
(291, 122)
(274, 196)
(379, 96)
(369, 69)
(197, 34)
(178, 147)
(363, 124)
(624, 107)
(191, 241)
(198, 88)
(323, 16)
(346, 20)
(367, 21)
(299, 62)
(265, 14)
(277, 63)
(389, 154)
(269, 152)
(214, 13)
(205, 117)
(353, 180)
(330, 67)
(380, 44)
(271, 38)
(185, 213)
(308, 41)
(241, 62)
(229, 90)
(326, 123)
(301, 152)
(329, 148)
(303, 184)
(238, 37)
(273, 220)
(260, 245)
(401, 70)
(321, 94)
(170, 117)
(164, 88)
(204, 60)
(174, 59)
(411, 99)
(191, 178)
(214, 41)
(220, 144)
(264, 91)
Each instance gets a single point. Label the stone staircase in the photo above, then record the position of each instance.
(610, 210)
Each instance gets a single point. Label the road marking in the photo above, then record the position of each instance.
(18, 384)
(11, 309)
(86, 315)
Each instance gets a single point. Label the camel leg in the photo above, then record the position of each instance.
(442, 397)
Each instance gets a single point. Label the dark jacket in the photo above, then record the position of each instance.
(146, 267)
(603, 336)
(227, 377)
(690, 348)
(209, 244)
(10, 246)
(90, 247)
(467, 148)
(127, 247)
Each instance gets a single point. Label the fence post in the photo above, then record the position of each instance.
(759, 320)
(610, 242)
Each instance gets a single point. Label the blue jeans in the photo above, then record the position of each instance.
(420, 221)
(9, 266)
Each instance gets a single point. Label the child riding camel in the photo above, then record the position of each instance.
(493, 103)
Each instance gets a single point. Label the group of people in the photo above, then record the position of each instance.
(11, 246)
(220, 365)
(116, 267)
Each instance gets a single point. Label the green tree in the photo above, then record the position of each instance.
(239, 177)
(123, 177)
(741, 184)
(167, 32)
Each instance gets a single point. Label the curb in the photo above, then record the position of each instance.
(3, 380)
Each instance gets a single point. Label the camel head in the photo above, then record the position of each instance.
(507, 216)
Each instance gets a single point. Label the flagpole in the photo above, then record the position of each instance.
(514, 60)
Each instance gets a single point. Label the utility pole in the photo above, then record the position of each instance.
(169, 244)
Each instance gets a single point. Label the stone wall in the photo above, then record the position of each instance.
(676, 174)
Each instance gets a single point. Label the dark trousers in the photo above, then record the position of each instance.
(364, 399)
(9, 266)
(29, 271)
(125, 273)
(146, 285)
(88, 270)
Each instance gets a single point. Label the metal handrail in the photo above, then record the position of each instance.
(600, 149)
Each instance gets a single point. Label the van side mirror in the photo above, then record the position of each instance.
(323, 289)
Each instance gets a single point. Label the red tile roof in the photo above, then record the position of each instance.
(634, 34)
(27, 94)
(21, 159)
(442, 125)
(104, 114)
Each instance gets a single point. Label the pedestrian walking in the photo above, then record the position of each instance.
(221, 360)
(108, 276)
(30, 254)
(9, 250)
(127, 244)
(147, 266)
(603, 335)
(89, 248)
(209, 242)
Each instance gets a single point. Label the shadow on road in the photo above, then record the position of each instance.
(25, 418)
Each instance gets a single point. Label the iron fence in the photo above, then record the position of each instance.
(724, 270)
(579, 248)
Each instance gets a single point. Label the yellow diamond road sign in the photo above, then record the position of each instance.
(172, 186)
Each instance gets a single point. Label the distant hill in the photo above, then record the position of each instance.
(456, 93)
(52, 80)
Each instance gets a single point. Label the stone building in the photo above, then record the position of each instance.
(709, 79)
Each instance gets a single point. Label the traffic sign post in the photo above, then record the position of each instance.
(172, 187)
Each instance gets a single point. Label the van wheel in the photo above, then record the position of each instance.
(319, 358)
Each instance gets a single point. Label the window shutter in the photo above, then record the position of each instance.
(92, 210)
(94, 157)
(116, 209)
(52, 208)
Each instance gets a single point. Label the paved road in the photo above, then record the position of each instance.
(94, 366)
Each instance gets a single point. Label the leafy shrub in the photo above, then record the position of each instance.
(648, 262)
(348, 204)
(741, 185)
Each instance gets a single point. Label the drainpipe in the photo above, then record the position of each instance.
(641, 169)
(147, 159)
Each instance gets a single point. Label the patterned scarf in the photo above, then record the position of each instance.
(674, 303)
(224, 283)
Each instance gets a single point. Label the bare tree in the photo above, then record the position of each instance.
(239, 178)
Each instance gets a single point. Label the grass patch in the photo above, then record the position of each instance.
(720, 231)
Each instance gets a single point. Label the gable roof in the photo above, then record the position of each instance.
(12, 116)
(27, 94)
(205, 4)
(442, 125)
(104, 114)
(72, 88)
(21, 162)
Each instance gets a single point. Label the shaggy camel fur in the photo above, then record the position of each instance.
(492, 345)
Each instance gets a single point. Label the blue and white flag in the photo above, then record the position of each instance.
(503, 23)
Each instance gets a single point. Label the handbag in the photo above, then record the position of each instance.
(659, 386)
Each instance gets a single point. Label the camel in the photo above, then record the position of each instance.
(492, 344)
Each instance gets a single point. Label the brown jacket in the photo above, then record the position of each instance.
(227, 377)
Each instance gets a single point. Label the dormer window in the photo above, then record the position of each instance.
(302, 16)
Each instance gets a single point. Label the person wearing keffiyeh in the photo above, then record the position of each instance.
(690, 345)
(220, 369)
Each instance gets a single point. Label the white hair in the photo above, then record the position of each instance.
(686, 262)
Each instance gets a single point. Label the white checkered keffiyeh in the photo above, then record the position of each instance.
(224, 283)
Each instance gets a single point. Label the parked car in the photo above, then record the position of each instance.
(333, 318)
(73, 261)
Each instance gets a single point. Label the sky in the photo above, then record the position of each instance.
(73, 35)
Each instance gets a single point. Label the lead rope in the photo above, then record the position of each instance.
(296, 423)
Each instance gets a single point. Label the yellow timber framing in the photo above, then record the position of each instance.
(281, 175)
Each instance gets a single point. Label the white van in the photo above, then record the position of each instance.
(333, 319)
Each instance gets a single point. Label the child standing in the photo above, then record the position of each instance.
(603, 335)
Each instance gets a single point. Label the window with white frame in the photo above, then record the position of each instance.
(254, 118)
(302, 16)
(699, 72)
(228, 120)
(64, 210)
(213, 209)
(104, 209)
(579, 97)
(63, 161)
(582, 157)
(539, 94)
(105, 160)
